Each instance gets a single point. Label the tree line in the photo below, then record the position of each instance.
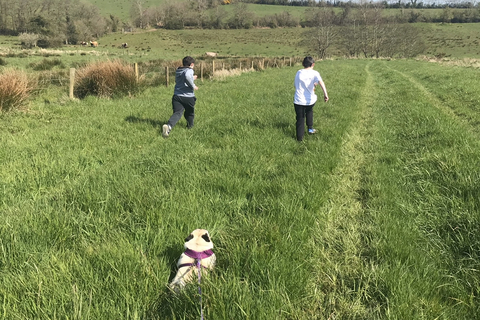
(363, 32)
(211, 14)
(51, 23)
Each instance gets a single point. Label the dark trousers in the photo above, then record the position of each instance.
(182, 106)
(303, 112)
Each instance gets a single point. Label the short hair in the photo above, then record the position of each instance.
(187, 61)
(308, 62)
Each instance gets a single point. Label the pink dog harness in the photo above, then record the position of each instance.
(197, 256)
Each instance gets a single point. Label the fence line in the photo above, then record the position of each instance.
(207, 69)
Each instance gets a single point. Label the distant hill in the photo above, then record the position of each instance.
(121, 8)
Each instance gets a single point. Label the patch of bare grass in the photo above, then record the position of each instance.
(223, 74)
(15, 88)
(465, 62)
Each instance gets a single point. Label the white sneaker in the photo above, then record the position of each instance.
(166, 130)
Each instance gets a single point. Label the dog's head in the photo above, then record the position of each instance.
(199, 240)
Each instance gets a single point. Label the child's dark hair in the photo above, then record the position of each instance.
(187, 61)
(308, 62)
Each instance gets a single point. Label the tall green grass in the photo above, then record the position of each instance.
(375, 217)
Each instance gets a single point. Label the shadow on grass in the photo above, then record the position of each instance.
(154, 123)
(284, 126)
(170, 305)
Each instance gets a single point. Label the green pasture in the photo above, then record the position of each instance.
(122, 8)
(442, 40)
(375, 217)
(164, 45)
(451, 40)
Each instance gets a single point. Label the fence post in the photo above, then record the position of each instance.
(290, 61)
(72, 82)
(201, 71)
(252, 64)
(166, 75)
(213, 68)
(135, 67)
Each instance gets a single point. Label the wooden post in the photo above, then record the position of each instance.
(213, 68)
(201, 71)
(135, 67)
(290, 61)
(166, 76)
(240, 66)
(263, 64)
(252, 64)
(72, 82)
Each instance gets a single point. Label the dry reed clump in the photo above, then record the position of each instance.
(106, 79)
(223, 74)
(15, 88)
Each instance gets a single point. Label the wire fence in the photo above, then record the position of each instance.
(162, 73)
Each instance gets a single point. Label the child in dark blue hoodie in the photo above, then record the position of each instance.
(183, 100)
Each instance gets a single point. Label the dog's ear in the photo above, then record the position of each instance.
(206, 237)
(190, 237)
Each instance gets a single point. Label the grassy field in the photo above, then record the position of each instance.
(375, 217)
(452, 41)
(165, 45)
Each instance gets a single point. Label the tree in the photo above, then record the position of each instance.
(174, 15)
(447, 15)
(242, 18)
(137, 13)
(72, 34)
(325, 33)
(114, 23)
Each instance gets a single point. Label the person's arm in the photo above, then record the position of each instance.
(324, 89)
(189, 77)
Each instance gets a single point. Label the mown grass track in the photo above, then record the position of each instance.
(376, 217)
(402, 203)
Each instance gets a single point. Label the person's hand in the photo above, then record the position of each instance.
(196, 88)
(195, 77)
(325, 98)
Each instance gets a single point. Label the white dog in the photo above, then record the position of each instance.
(198, 252)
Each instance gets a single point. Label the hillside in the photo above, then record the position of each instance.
(121, 8)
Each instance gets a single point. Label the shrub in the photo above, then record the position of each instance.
(15, 88)
(28, 40)
(106, 79)
(47, 64)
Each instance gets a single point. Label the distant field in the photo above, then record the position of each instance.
(121, 8)
(452, 40)
(170, 45)
(443, 40)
